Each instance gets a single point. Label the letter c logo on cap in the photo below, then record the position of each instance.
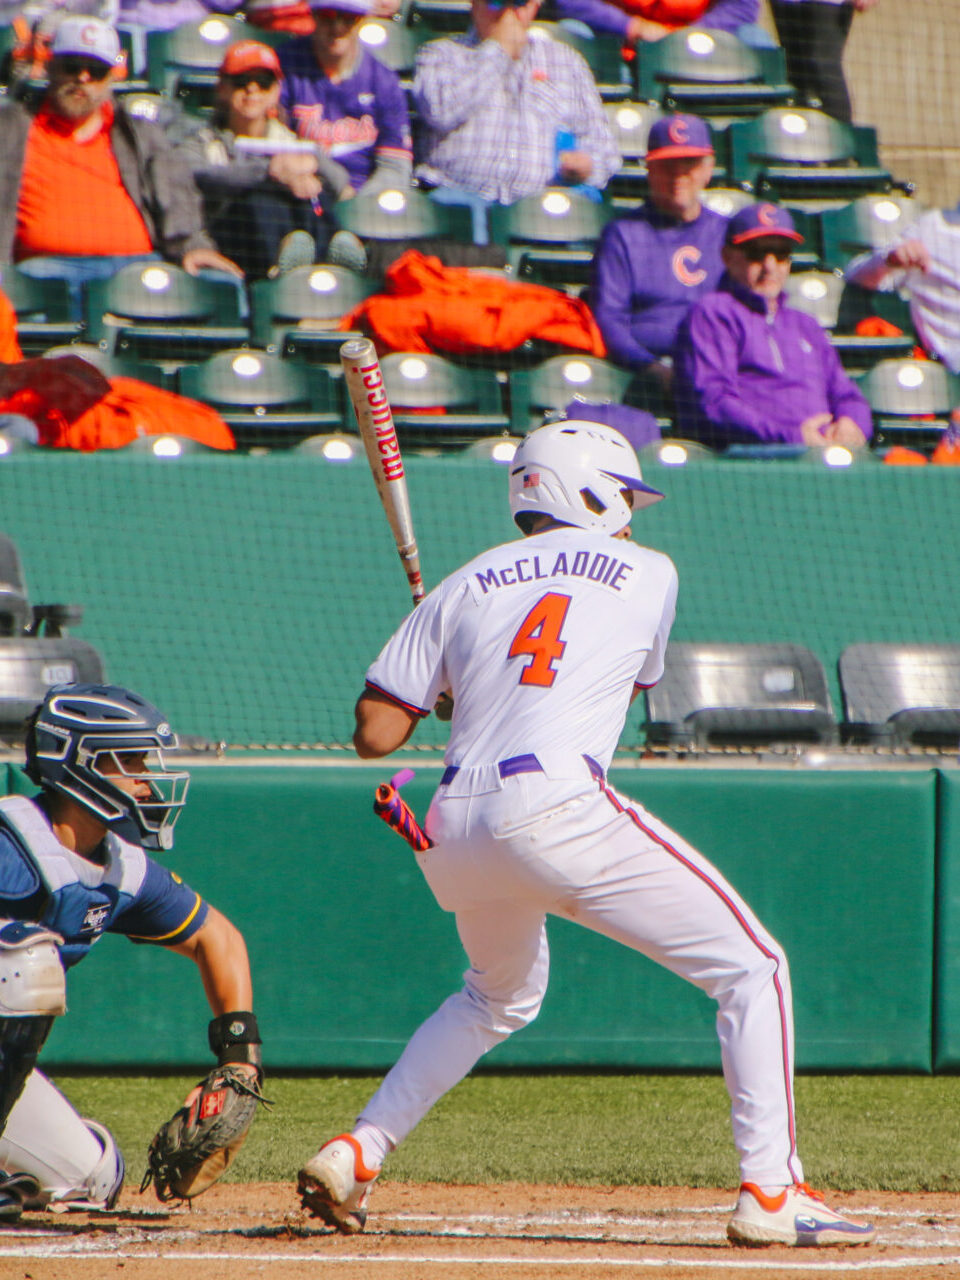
(677, 131)
(767, 215)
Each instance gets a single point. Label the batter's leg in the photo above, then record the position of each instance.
(502, 992)
(652, 891)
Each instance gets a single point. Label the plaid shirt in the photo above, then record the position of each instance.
(491, 122)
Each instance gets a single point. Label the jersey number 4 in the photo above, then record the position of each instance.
(539, 636)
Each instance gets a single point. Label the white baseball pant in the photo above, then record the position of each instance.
(511, 851)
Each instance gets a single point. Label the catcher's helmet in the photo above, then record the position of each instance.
(576, 472)
(76, 725)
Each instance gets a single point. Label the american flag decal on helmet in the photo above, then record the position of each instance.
(531, 479)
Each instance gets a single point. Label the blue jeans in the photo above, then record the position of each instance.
(80, 271)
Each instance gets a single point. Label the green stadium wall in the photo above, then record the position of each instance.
(350, 952)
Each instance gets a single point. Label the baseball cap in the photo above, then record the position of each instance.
(359, 7)
(677, 136)
(756, 220)
(79, 36)
(250, 55)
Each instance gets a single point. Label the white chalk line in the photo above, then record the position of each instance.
(831, 1266)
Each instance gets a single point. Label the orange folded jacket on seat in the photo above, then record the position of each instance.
(75, 407)
(432, 308)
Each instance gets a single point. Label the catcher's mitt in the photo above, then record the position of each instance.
(197, 1144)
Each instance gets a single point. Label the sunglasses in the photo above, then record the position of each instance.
(94, 68)
(262, 79)
(756, 252)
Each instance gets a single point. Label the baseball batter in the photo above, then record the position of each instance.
(542, 644)
(73, 866)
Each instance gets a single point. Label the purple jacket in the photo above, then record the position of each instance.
(648, 271)
(746, 377)
(608, 19)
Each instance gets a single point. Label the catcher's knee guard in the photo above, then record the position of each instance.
(33, 992)
(74, 1160)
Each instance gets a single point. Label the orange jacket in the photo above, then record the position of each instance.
(75, 407)
(430, 307)
(669, 13)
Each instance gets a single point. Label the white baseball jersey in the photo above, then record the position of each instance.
(540, 642)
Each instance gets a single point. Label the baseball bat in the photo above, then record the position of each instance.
(364, 379)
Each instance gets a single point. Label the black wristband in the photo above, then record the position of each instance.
(235, 1037)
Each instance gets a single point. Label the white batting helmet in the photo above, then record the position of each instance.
(576, 472)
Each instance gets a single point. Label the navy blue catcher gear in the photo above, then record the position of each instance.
(83, 736)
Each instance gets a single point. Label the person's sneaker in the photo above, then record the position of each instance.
(346, 250)
(18, 1191)
(297, 249)
(335, 1185)
(797, 1216)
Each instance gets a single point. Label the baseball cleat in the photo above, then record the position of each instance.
(18, 1191)
(797, 1216)
(335, 1185)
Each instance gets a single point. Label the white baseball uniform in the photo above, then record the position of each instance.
(541, 642)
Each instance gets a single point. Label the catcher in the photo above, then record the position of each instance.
(73, 865)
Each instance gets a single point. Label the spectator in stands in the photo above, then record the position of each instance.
(641, 21)
(295, 15)
(164, 15)
(259, 181)
(752, 370)
(813, 34)
(652, 265)
(86, 188)
(925, 265)
(498, 110)
(339, 96)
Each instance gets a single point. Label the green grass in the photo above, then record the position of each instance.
(898, 1133)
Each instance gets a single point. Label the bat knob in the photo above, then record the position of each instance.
(443, 709)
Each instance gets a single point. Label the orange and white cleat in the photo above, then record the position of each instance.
(334, 1185)
(797, 1216)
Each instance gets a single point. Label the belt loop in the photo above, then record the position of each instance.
(449, 773)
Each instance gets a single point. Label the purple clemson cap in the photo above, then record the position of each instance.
(756, 220)
(359, 7)
(678, 136)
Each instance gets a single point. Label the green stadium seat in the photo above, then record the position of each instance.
(727, 200)
(630, 123)
(550, 386)
(440, 17)
(550, 238)
(869, 223)
(296, 314)
(394, 45)
(403, 215)
(742, 695)
(794, 153)
(711, 73)
(911, 401)
(113, 366)
(155, 311)
(265, 400)
(901, 695)
(43, 310)
(839, 307)
(470, 400)
(183, 62)
(603, 55)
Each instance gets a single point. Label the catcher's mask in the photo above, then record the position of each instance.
(577, 472)
(83, 737)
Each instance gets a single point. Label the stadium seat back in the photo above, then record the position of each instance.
(550, 386)
(801, 153)
(192, 50)
(438, 403)
(305, 298)
(741, 695)
(869, 223)
(902, 694)
(403, 215)
(42, 308)
(710, 72)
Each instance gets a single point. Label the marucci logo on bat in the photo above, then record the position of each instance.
(387, 444)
